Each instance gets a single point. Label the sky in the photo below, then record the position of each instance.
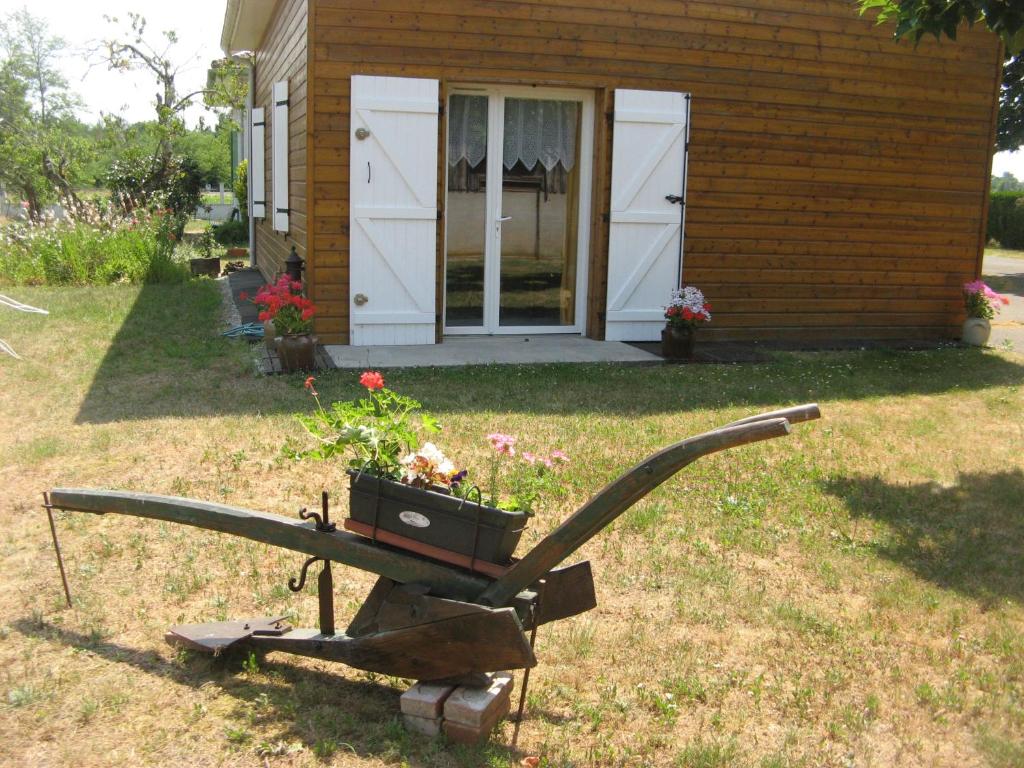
(81, 24)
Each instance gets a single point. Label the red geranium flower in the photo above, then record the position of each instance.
(242, 295)
(263, 316)
(372, 380)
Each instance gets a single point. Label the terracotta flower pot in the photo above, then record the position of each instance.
(976, 331)
(297, 351)
(677, 342)
(237, 253)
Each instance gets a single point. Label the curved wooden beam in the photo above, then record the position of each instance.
(618, 496)
(337, 546)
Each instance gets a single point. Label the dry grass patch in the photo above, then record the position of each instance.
(849, 595)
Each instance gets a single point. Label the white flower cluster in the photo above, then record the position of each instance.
(427, 466)
(690, 298)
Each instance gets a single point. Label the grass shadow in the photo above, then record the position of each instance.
(968, 537)
(327, 713)
(166, 358)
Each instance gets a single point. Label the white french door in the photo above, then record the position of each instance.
(517, 210)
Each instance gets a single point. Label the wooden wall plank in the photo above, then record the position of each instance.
(835, 175)
(282, 55)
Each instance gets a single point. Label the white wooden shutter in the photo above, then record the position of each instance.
(280, 156)
(257, 169)
(645, 235)
(393, 210)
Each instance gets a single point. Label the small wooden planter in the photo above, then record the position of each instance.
(209, 267)
(461, 526)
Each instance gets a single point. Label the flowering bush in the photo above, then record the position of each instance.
(380, 435)
(379, 432)
(687, 309)
(982, 301)
(284, 304)
(98, 245)
(527, 476)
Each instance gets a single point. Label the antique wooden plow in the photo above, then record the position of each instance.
(424, 619)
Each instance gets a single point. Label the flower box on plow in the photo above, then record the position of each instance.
(442, 521)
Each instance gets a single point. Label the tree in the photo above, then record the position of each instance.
(41, 146)
(1005, 18)
(210, 148)
(131, 50)
(1006, 183)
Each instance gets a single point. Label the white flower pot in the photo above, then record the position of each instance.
(976, 331)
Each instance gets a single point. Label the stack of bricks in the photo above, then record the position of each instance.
(466, 715)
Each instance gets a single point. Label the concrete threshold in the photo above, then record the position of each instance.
(491, 350)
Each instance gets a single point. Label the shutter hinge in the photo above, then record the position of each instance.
(261, 124)
(610, 116)
(606, 218)
(281, 103)
(283, 210)
(440, 109)
(440, 214)
(259, 202)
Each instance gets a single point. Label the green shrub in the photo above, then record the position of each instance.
(241, 190)
(1006, 219)
(99, 248)
(232, 232)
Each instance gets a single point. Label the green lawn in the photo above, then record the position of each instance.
(850, 595)
(1004, 253)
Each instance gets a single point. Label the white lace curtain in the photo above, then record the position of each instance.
(536, 131)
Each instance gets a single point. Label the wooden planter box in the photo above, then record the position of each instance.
(435, 519)
(209, 267)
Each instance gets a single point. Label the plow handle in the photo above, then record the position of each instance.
(619, 495)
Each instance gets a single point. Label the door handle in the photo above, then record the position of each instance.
(504, 218)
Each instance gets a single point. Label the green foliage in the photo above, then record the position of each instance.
(1006, 183)
(227, 82)
(139, 179)
(241, 190)
(232, 232)
(917, 18)
(1010, 130)
(377, 431)
(41, 143)
(210, 149)
(100, 248)
(1006, 219)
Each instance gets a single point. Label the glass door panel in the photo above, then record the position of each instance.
(516, 187)
(539, 213)
(466, 212)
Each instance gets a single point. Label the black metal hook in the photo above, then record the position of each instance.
(323, 523)
(297, 585)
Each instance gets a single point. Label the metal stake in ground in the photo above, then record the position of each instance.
(526, 672)
(56, 546)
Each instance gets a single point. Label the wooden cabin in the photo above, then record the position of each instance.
(559, 166)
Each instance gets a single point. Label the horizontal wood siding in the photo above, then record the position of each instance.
(837, 179)
(283, 56)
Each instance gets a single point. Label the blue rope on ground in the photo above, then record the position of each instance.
(247, 330)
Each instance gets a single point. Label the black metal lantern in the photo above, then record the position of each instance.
(294, 265)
